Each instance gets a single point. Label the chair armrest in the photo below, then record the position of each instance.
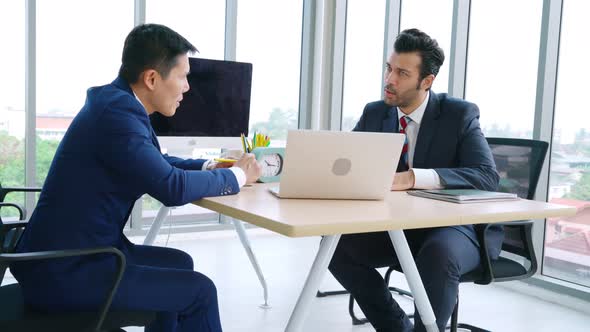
(40, 255)
(486, 261)
(22, 189)
(20, 208)
(5, 190)
(515, 223)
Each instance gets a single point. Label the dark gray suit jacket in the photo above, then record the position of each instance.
(449, 141)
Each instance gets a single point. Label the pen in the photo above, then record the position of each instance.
(225, 160)
(244, 143)
(249, 146)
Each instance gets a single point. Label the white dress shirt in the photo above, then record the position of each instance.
(424, 178)
(238, 172)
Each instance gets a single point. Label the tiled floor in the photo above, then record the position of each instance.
(286, 262)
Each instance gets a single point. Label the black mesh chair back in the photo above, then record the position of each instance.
(519, 163)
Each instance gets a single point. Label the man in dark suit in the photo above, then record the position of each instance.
(445, 149)
(109, 158)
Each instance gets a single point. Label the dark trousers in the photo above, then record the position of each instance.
(163, 280)
(442, 255)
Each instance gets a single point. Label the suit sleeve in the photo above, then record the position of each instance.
(186, 164)
(476, 168)
(361, 124)
(125, 147)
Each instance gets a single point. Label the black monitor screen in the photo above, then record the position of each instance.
(217, 104)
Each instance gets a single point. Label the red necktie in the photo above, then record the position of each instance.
(403, 121)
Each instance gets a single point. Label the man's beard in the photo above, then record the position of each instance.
(401, 102)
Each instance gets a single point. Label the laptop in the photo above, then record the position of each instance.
(339, 165)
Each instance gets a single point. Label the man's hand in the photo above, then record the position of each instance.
(250, 167)
(229, 154)
(403, 181)
(213, 164)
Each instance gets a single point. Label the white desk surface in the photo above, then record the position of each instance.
(312, 217)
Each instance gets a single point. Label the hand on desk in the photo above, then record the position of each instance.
(250, 167)
(403, 181)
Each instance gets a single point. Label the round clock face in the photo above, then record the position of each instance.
(271, 164)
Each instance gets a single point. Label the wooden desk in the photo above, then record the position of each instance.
(331, 218)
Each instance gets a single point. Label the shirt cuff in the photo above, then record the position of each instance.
(240, 175)
(206, 165)
(426, 179)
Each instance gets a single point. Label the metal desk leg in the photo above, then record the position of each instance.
(312, 284)
(246, 243)
(408, 264)
(158, 221)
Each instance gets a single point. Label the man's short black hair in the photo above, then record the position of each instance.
(414, 40)
(152, 46)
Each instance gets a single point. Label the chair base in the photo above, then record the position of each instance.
(362, 321)
(471, 328)
(330, 293)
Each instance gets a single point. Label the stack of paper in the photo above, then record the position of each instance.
(464, 195)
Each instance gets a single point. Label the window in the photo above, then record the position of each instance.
(12, 102)
(201, 22)
(74, 53)
(567, 240)
(272, 43)
(363, 60)
(434, 17)
(502, 64)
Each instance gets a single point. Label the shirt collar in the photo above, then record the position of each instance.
(418, 113)
(136, 97)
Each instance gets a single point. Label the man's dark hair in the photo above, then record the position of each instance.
(414, 40)
(152, 46)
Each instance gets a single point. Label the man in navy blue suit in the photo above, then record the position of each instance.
(445, 149)
(109, 158)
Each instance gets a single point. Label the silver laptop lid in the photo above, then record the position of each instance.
(339, 165)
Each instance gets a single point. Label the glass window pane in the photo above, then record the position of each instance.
(12, 101)
(363, 60)
(567, 240)
(71, 60)
(502, 65)
(201, 22)
(434, 17)
(272, 43)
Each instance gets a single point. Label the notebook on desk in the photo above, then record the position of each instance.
(339, 165)
(464, 195)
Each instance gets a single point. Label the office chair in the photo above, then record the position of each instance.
(10, 231)
(15, 316)
(519, 163)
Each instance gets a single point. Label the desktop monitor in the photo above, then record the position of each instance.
(213, 112)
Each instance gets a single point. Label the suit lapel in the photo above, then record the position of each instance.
(390, 122)
(427, 131)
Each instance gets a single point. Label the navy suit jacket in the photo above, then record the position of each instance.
(108, 158)
(449, 141)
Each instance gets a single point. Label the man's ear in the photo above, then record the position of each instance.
(427, 82)
(149, 78)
